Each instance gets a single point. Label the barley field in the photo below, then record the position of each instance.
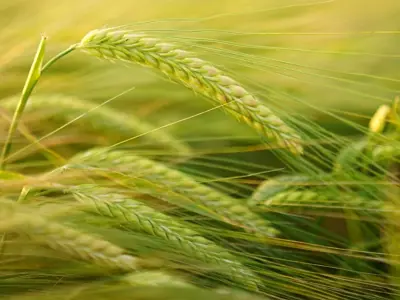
(171, 149)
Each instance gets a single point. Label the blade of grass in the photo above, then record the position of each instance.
(30, 83)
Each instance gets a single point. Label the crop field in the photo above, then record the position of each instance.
(178, 149)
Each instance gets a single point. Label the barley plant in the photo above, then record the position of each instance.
(117, 181)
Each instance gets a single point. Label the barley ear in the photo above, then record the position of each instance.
(62, 238)
(137, 216)
(319, 199)
(232, 210)
(194, 73)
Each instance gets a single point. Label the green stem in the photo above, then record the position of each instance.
(57, 57)
(33, 77)
(30, 83)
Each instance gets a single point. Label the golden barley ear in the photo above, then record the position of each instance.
(195, 74)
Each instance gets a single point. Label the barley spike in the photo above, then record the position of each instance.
(318, 199)
(194, 73)
(139, 167)
(139, 217)
(62, 238)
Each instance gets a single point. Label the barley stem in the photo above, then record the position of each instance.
(30, 83)
(57, 57)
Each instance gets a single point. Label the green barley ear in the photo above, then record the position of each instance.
(274, 186)
(318, 199)
(136, 216)
(135, 166)
(105, 119)
(285, 193)
(64, 239)
(193, 73)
